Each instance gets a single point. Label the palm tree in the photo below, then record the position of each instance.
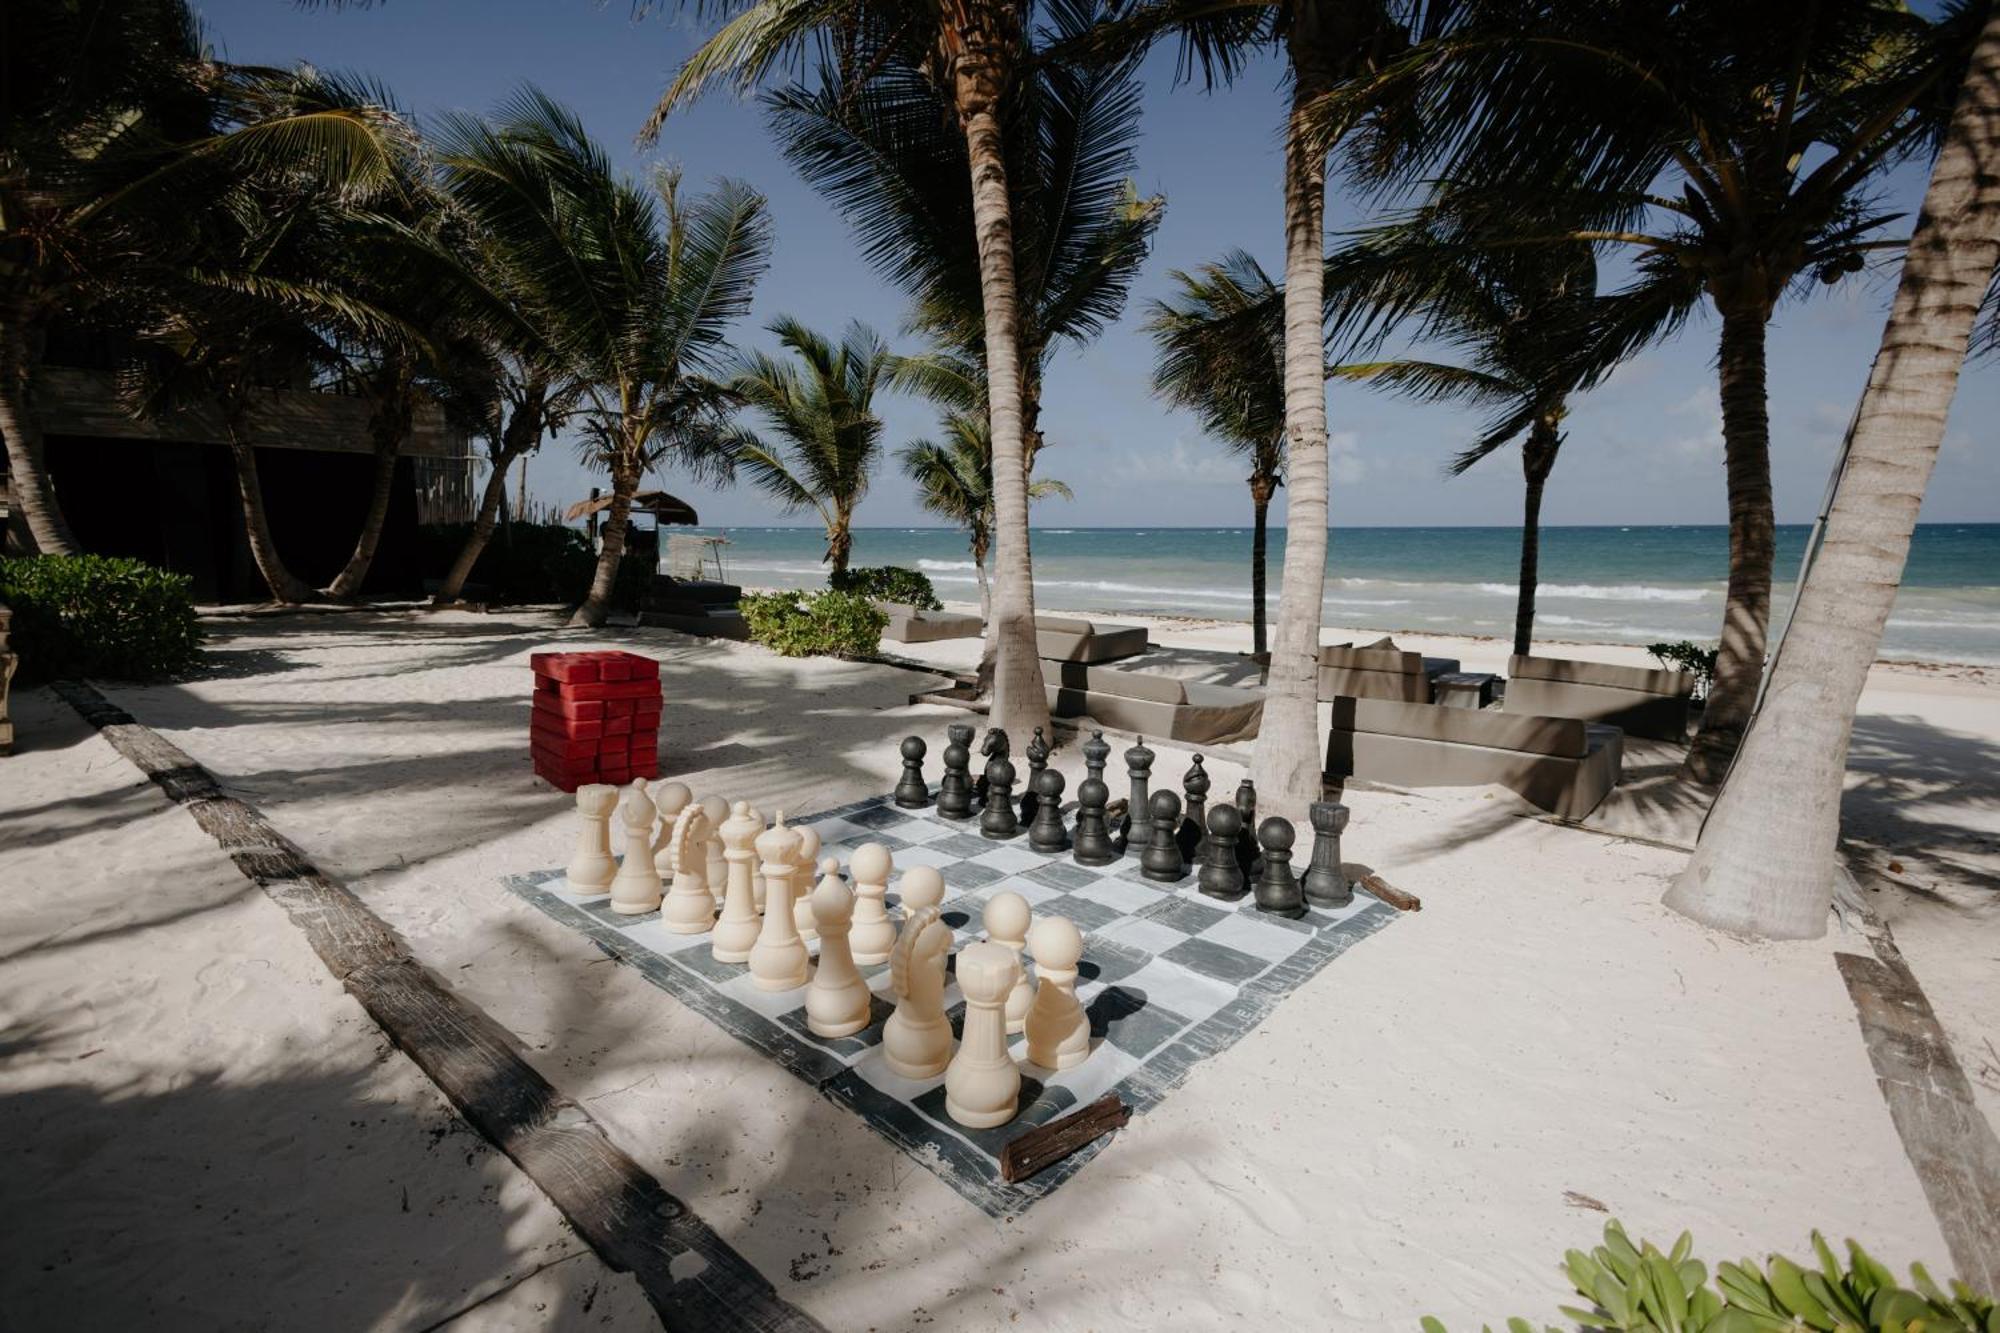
(823, 409)
(1221, 354)
(954, 480)
(636, 291)
(1765, 861)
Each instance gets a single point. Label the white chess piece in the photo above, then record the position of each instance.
(717, 871)
(591, 867)
(837, 1002)
(636, 889)
(779, 961)
(736, 932)
(669, 798)
(920, 886)
(689, 908)
(982, 1086)
(874, 934)
(757, 889)
(1006, 919)
(916, 1041)
(802, 906)
(1058, 1029)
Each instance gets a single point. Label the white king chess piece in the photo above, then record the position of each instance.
(636, 889)
(591, 867)
(736, 933)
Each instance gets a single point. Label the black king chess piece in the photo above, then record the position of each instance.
(1046, 833)
(912, 792)
(997, 820)
(1194, 827)
(1277, 890)
(1093, 845)
(1221, 876)
(1325, 883)
(1137, 828)
(1161, 860)
(1038, 760)
(954, 799)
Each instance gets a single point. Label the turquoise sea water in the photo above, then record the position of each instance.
(1598, 584)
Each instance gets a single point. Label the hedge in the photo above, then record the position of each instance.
(93, 615)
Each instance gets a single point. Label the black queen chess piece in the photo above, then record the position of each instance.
(1325, 883)
(1092, 844)
(912, 792)
(1277, 889)
(1221, 876)
(954, 798)
(1161, 861)
(1046, 833)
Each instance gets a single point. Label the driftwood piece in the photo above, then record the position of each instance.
(1389, 893)
(1049, 1144)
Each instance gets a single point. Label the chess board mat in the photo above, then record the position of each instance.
(1168, 978)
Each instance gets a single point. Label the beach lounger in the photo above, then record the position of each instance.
(1560, 764)
(1640, 701)
(1379, 670)
(909, 624)
(1151, 705)
(1063, 639)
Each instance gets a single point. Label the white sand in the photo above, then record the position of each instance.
(1396, 1139)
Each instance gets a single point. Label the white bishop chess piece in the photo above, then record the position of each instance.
(590, 867)
(689, 908)
(736, 933)
(1058, 1029)
(1006, 919)
(779, 961)
(874, 934)
(982, 1086)
(636, 889)
(837, 1002)
(916, 1041)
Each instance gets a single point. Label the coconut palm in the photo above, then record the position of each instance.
(822, 408)
(635, 290)
(954, 480)
(1765, 860)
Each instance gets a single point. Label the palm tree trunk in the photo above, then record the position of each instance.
(597, 605)
(1019, 704)
(979, 571)
(1538, 456)
(1261, 488)
(285, 586)
(1286, 762)
(839, 546)
(389, 424)
(29, 487)
(522, 431)
(1746, 612)
(1765, 862)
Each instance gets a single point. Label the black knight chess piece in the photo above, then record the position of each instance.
(997, 819)
(1161, 860)
(1136, 830)
(1325, 883)
(954, 799)
(1221, 876)
(996, 747)
(1277, 889)
(1194, 826)
(1092, 845)
(1046, 833)
(1038, 760)
(912, 792)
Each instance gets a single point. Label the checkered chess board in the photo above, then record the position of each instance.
(1168, 977)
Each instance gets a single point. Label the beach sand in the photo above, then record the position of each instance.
(1421, 1128)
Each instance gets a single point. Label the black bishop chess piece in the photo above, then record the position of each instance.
(1038, 760)
(954, 798)
(997, 820)
(912, 792)
(1277, 889)
(1096, 751)
(1325, 883)
(1136, 829)
(1161, 860)
(1221, 876)
(1092, 845)
(1248, 858)
(1194, 827)
(1046, 833)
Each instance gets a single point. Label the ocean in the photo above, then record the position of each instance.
(1598, 584)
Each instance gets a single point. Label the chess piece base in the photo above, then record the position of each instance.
(632, 909)
(687, 927)
(1104, 859)
(1161, 876)
(903, 1042)
(790, 981)
(979, 1119)
(847, 1029)
(1235, 897)
(915, 1073)
(1322, 898)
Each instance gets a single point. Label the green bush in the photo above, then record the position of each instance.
(1690, 657)
(889, 583)
(525, 562)
(1644, 1291)
(92, 615)
(829, 623)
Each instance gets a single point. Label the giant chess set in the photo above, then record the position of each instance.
(960, 966)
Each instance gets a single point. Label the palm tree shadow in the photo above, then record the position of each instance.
(1927, 798)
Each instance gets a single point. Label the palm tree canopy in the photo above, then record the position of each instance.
(1221, 354)
(954, 474)
(821, 404)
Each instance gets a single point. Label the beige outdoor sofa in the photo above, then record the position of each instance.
(909, 624)
(1379, 670)
(1563, 765)
(1063, 639)
(1151, 705)
(1637, 700)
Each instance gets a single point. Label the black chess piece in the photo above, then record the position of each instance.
(1194, 824)
(1038, 760)
(912, 792)
(1135, 831)
(995, 747)
(954, 799)
(1096, 751)
(1092, 845)
(1248, 858)
(1277, 889)
(997, 819)
(1325, 883)
(1047, 834)
(1220, 876)
(1162, 858)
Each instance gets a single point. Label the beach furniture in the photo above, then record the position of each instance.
(694, 606)
(1561, 764)
(1640, 701)
(1463, 689)
(596, 718)
(1379, 670)
(1066, 639)
(8, 661)
(909, 624)
(1152, 705)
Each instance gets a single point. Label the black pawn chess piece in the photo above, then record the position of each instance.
(1047, 834)
(1093, 845)
(1324, 883)
(996, 747)
(1038, 760)
(954, 799)
(1096, 751)
(997, 819)
(1136, 829)
(1247, 856)
(1194, 826)
(1277, 889)
(1220, 876)
(912, 792)
(1162, 858)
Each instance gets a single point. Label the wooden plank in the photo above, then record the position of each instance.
(1045, 1146)
(693, 1278)
(1390, 894)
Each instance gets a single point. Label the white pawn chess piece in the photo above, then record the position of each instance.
(837, 1002)
(669, 798)
(736, 932)
(590, 868)
(982, 1086)
(920, 886)
(636, 889)
(1058, 1029)
(802, 906)
(689, 908)
(916, 1041)
(717, 871)
(874, 934)
(1006, 919)
(779, 961)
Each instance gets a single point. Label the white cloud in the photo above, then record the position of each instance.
(1344, 464)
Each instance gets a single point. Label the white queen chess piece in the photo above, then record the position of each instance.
(689, 908)
(982, 1086)
(591, 868)
(1058, 1029)
(1006, 920)
(916, 1041)
(636, 888)
(779, 961)
(837, 1002)
(736, 933)
(874, 934)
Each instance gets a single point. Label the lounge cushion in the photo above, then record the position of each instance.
(1561, 736)
(1063, 625)
(1372, 658)
(1646, 680)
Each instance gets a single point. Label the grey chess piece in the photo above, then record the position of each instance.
(1096, 751)
(1162, 858)
(1046, 833)
(1193, 833)
(1325, 883)
(1221, 876)
(1277, 889)
(1136, 830)
(1038, 759)
(1092, 845)
(912, 792)
(954, 799)
(1248, 858)
(997, 819)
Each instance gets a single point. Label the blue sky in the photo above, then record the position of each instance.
(1645, 448)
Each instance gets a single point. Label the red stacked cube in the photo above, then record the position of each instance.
(596, 718)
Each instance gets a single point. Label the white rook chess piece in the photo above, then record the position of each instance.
(1058, 1029)
(690, 908)
(802, 908)
(736, 933)
(874, 934)
(717, 871)
(636, 890)
(669, 798)
(1006, 919)
(916, 1041)
(779, 961)
(982, 1087)
(590, 868)
(837, 1002)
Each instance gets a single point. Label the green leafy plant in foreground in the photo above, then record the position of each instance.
(93, 615)
(888, 583)
(1688, 656)
(828, 623)
(1641, 1290)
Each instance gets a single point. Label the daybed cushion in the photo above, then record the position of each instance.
(1153, 705)
(1652, 680)
(909, 624)
(1379, 671)
(1562, 765)
(1639, 700)
(1064, 639)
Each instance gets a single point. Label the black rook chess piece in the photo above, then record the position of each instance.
(1162, 858)
(997, 820)
(1194, 828)
(1046, 834)
(1137, 828)
(1324, 883)
(1038, 759)
(1277, 891)
(913, 793)
(1220, 876)
(954, 799)
(1093, 845)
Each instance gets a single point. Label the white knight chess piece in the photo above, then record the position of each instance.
(916, 1041)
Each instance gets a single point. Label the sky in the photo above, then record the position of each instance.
(1645, 447)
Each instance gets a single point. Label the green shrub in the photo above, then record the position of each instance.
(92, 615)
(525, 562)
(1644, 1291)
(889, 583)
(1690, 657)
(829, 623)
